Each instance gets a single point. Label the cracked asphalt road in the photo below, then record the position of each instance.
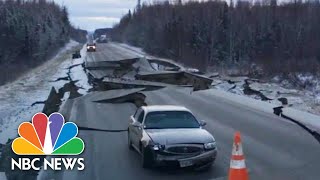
(274, 148)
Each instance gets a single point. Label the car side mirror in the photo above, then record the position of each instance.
(132, 119)
(136, 124)
(203, 123)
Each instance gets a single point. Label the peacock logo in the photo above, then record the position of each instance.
(48, 136)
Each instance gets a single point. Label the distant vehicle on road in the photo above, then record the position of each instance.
(170, 135)
(91, 47)
(76, 55)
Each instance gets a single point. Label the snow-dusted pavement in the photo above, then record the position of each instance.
(18, 96)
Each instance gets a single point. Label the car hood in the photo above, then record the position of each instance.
(179, 136)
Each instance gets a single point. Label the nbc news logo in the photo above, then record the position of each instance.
(48, 136)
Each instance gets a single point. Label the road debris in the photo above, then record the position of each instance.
(61, 79)
(177, 78)
(249, 91)
(107, 75)
(119, 96)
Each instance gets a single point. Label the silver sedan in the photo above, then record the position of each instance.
(170, 135)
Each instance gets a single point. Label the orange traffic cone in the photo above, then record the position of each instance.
(238, 170)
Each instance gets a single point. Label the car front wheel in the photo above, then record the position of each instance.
(146, 158)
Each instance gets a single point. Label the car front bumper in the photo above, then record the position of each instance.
(202, 159)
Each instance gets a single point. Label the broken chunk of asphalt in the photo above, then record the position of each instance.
(284, 101)
(61, 79)
(54, 100)
(214, 75)
(231, 82)
(136, 98)
(233, 87)
(278, 111)
(177, 78)
(121, 83)
(72, 88)
(119, 96)
(247, 90)
(140, 69)
(169, 66)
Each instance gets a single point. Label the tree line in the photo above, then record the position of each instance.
(279, 38)
(30, 30)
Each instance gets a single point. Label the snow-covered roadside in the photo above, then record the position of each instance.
(304, 100)
(17, 97)
(77, 73)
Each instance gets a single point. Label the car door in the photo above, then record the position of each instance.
(136, 127)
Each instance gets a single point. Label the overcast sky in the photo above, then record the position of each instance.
(93, 14)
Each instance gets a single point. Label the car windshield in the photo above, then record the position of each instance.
(170, 119)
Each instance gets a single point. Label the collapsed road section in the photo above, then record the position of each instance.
(178, 78)
(138, 72)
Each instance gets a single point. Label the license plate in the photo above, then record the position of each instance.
(185, 163)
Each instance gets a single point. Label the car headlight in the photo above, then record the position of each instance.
(158, 147)
(209, 146)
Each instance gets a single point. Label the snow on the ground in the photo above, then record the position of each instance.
(310, 120)
(243, 100)
(17, 97)
(78, 74)
(299, 108)
(302, 99)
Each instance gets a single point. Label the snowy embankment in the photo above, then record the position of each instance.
(24, 97)
(297, 105)
(277, 94)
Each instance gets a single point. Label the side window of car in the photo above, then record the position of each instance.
(141, 116)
